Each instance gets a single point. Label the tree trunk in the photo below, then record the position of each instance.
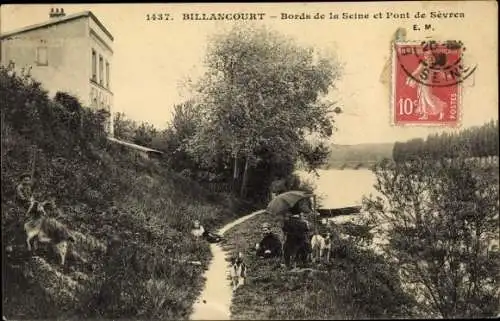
(235, 175)
(243, 190)
(33, 161)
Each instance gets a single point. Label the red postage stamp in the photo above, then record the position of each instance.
(427, 79)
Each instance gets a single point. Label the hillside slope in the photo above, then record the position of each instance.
(101, 190)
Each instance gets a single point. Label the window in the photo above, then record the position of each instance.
(107, 74)
(94, 65)
(41, 56)
(101, 70)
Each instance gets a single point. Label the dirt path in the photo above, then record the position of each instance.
(214, 301)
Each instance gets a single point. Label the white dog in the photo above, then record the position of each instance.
(321, 246)
(47, 230)
(238, 271)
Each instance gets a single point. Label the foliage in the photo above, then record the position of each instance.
(441, 218)
(124, 128)
(479, 141)
(129, 130)
(314, 155)
(27, 110)
(258, 100)
(145, 134)
(174, 139)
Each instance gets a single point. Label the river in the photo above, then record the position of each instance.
(341, 188)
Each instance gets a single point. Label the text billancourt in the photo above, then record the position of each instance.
(223, 16)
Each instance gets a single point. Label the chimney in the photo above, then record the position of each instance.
(56, 13)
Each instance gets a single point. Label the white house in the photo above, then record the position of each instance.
(71, 53)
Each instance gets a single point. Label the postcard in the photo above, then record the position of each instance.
(250, 160)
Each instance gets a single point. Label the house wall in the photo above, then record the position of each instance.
(66, 45)
(101, 94)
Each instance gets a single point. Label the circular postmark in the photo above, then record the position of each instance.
(434, 64)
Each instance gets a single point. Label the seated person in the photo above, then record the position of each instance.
(198, 231)
(270, 245)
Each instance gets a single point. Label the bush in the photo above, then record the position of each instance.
(442, 218)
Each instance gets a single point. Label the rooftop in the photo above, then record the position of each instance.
(135, 146)
(55, 21)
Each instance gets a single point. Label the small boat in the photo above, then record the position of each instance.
(332, 212)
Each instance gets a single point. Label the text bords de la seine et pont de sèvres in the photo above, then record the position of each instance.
(197, 16)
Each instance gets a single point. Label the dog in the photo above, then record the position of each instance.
(321, 246)
(328, 246)
(238, 271)
(47, 230)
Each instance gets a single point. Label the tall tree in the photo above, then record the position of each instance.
(144, 134)
(124, 128)
(174, 139)
(261, 91)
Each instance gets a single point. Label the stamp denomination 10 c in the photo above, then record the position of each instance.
(426, 82)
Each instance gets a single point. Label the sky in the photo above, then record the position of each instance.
(152, 59)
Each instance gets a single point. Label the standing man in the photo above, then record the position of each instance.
(306, 247)
(296, 229)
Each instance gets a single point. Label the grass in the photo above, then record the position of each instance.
(357, 284)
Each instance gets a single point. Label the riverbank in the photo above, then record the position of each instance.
(357, 283)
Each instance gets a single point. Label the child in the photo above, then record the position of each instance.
(24, 188)
(198, 230)
(24, 191)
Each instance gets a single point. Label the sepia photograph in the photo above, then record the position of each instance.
(250, 161)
